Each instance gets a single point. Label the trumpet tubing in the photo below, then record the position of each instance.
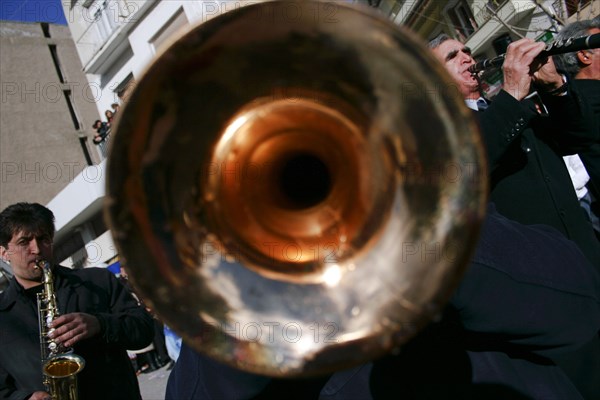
(259, 193)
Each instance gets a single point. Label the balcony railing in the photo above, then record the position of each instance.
(487, 11)
(103, 146)
(106, 19)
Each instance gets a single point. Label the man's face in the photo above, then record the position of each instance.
(22, 253)
(457, 59)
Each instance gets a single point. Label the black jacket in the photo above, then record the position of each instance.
(108, 373)
(529, 180)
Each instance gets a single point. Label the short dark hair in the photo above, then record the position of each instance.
(568, 62)
(29, 217)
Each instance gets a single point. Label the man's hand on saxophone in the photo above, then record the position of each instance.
(74, 327)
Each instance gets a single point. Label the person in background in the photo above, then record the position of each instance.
(109, 117)
(102, 131)
(529, 180)
(584, 67)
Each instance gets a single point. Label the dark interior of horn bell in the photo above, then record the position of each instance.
(304, 181)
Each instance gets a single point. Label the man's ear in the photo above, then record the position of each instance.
(4, 254)
(584, 57)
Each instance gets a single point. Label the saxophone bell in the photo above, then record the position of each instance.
(60, 376)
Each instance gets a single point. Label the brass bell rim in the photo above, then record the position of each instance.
(230, 310)
(63, 365)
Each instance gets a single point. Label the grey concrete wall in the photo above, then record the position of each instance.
(40, 149)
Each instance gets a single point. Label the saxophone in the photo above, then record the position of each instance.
(59, 365)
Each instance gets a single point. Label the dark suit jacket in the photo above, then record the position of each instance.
(517, 306)
(529, 180)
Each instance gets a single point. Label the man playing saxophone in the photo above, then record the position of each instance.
(99, 317)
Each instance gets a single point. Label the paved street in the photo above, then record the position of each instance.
(154, 384)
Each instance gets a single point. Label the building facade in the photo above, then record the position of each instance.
(45, 100)
(46, 103)
(117, 39)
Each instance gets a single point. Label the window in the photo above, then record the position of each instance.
(124, 56)
(574, 6)
(125, 87)
(462, 19)
(106, 18)
(55, 60)
(493, 5)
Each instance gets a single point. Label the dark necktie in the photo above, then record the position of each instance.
(482, 105)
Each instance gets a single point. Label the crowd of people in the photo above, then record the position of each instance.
(524, 322)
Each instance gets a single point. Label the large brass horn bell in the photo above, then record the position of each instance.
(295, 188)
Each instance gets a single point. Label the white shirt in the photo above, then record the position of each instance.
(472, 103)
(578, 173)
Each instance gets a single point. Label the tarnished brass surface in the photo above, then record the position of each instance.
(295, 187)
